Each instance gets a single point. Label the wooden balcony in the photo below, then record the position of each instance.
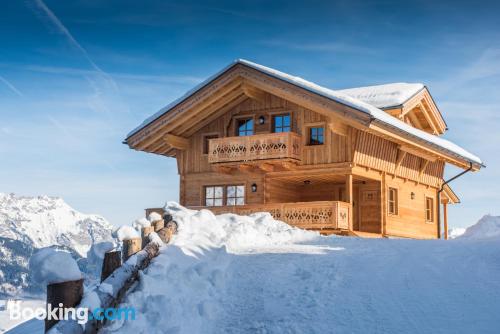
(269, 146)
(323, 215)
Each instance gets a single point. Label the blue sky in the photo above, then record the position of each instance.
(77, 76)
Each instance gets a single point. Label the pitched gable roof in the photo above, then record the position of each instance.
(376, 115)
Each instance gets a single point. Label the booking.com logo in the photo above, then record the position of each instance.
(80, 314)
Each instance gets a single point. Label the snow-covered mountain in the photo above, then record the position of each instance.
(486, 228)
(30, 223)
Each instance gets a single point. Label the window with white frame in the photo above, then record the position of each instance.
(392, 201)
(235, 195)
(214, 195)
(429, 209)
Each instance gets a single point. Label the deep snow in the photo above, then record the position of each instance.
(232, 274)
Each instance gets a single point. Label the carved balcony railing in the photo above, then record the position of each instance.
(306, 215)
(284, 145)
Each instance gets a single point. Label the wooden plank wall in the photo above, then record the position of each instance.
(381, 154)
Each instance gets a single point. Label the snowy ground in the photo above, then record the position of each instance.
(255, 275)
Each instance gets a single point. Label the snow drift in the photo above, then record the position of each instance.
(235, 274)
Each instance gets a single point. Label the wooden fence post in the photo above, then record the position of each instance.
(130, 247)
(69, 294)
(112, 260)
(146, 230)
(158, 225)
(166, 233)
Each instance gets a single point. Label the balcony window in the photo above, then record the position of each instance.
(235, 195)
(245, 127)
(214, 195)
(316, 136)
(282, 123)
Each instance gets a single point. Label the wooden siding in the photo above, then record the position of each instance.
(381, 154)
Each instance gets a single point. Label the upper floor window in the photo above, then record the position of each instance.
(393, 201)
(244, 127)
(206, 140)
(282, 123)
(316, 136)
(429, 209)
(214, 195)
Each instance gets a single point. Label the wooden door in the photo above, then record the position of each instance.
(369, 208)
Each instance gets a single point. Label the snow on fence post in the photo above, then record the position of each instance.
(63, 294)
(145, 231)
(130, 247)
(112, 260)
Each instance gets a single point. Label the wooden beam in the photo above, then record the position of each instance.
(349, 198)
(224, 169)
(423, 166)
(383, 205)
(177, 142)
(399, 160)
(417, 153)
(246, 168)
(266, 167)
(338, 128)
(254, 93)
(445, 219)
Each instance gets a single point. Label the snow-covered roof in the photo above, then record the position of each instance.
(376, 114)
(385, 96)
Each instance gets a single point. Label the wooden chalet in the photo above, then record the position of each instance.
(363, 161)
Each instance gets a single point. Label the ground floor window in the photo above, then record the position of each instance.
(393, 201)
(214, 195)
(229, 194)
(429, 209)
(235, 195)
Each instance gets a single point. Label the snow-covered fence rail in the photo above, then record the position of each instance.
(112, 289)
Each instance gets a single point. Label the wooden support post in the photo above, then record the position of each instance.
(145, 234)
(130, 247)
(69, 294)
(349, 199)
(383, 205)
(112, 260)
(445, 219)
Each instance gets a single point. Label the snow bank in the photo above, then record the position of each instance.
(487, 227)
(49, 265)
(140, 223)
(237, 274)
(154, 217)
(202, 229)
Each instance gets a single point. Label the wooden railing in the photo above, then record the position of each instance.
(257, 147)
(307, 215)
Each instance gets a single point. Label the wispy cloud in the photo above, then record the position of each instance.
(11, 86)
(71, 40)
